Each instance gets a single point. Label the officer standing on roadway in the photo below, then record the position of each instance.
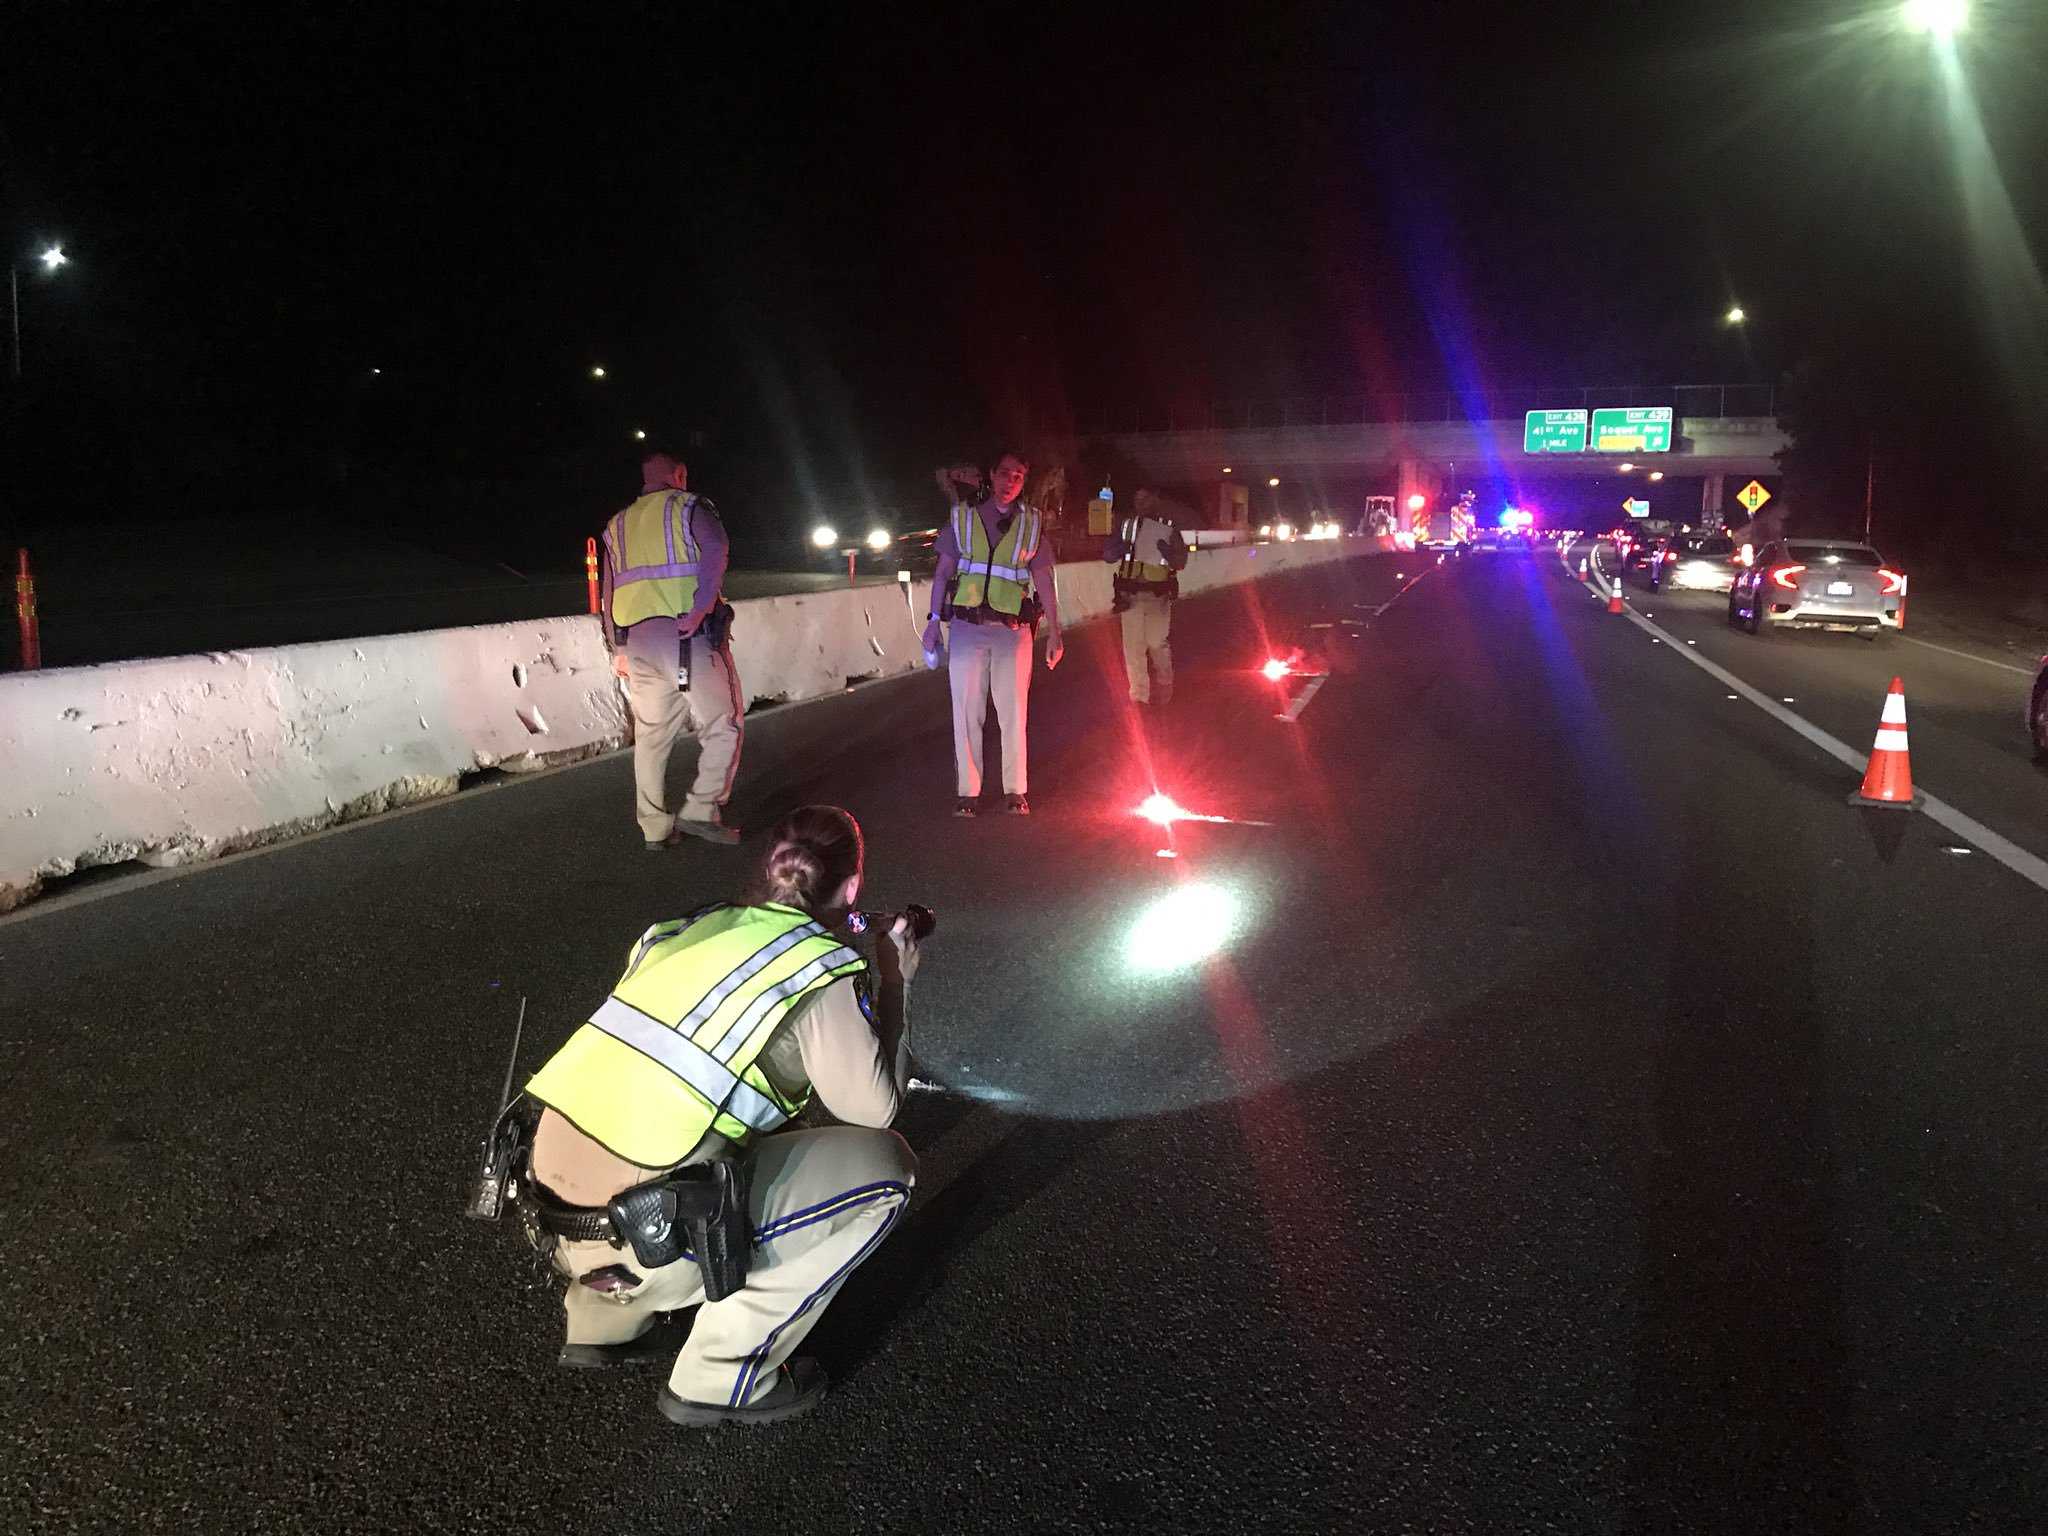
(993, 583)
(1147, 582)
(670, 635)
(715, 1036)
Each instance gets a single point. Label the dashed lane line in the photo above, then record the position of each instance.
(2028, 866)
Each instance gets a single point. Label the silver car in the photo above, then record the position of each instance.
(1818, 584)
(1696, 563)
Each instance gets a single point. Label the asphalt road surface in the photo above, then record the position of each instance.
(1544, 1105)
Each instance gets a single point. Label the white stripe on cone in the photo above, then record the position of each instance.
(1894, 709)
(1889, 740)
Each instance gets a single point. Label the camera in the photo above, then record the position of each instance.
(922, 920)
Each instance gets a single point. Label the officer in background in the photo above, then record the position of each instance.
(714, 1038)
(993, 584)
(1147, 582)
(670, 636)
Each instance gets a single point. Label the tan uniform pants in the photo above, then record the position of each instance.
(713, 710)
(1148, 659)
(989, 661)
(821, 1202)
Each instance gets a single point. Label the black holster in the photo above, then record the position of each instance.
(700, 1210)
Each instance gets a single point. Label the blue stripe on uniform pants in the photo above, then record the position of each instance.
(795, 1221)
(742, 1388)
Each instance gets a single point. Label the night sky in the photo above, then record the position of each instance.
(817, 252)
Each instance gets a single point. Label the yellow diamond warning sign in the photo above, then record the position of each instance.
(1752, 496)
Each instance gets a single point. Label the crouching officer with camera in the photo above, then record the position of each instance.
(1149, 553)
(660, 1165)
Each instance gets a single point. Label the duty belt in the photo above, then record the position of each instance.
(578, 1223)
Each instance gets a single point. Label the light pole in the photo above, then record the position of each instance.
(52, 257)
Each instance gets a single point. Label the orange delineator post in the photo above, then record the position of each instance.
(590, 570)
(1888, 778)
(25, 613)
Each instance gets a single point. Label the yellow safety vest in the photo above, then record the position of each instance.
(653, 558)
(1140, 570)
(673, 1052)
(1000, 577)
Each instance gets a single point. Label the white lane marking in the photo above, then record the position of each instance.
(1982, 661)
(2027, 866)
(1315, 686)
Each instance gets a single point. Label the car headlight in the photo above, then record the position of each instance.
(877, 539)
(824, 537)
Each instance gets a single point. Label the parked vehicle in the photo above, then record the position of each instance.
(1695, 563)
(2037, 714)
(1818, 584)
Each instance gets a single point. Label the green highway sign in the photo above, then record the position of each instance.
(1632, 429)
(1635, 508)
(1554, 432)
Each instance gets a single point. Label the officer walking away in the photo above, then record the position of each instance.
(993, 584)
(675, 1096)
(1147, 582)
(670, 635)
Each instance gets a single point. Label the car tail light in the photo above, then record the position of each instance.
(1894, 582)
(1669, 558)
(1787, 576)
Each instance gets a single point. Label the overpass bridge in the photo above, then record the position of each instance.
(1722, 436)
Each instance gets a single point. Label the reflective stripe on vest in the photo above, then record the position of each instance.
(1141, 570)
(653, 555)
(998, 577)
(674, 1052)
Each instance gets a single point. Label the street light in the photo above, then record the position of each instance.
(1939, 18)
(597, 373)
(1274, 481)
(639, 434)
(1627, 469)
(1736, 315)
(52, 257)
(1656, 474)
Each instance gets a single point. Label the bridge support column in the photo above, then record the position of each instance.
(1713, 497)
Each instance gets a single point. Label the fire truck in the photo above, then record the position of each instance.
(1447, 527)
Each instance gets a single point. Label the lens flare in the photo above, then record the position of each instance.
(1275, 669)
(1181, 930)
(1160, 808)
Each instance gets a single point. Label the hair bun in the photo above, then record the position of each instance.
(817, 849)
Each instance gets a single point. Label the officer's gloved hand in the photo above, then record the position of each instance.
(905, 942)
(931, 636)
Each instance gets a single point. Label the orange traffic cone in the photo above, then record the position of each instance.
(1888, 781)
(1614, 597)
(1582, 570)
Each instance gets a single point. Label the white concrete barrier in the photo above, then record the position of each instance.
(190, 757)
